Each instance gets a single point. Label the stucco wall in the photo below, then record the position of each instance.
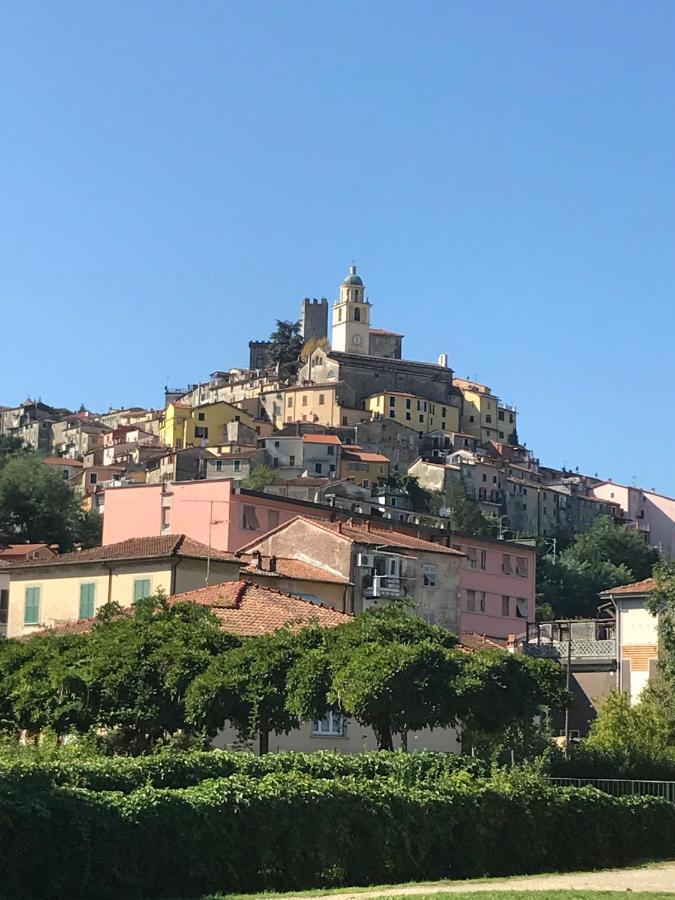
(132, 512)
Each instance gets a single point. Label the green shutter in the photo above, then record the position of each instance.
(141, 589)
(87, 600)
(32, 608)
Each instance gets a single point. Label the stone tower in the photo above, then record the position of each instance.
(314, 319)
(351, 317)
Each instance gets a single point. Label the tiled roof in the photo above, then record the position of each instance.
(638, 587)
(249, 609)
(321, 439)
(155, 547)
(385, 331)
(61, 461)
(294, 568)
(20, 551)
(469, 640)
(364, 456)
(382, 537)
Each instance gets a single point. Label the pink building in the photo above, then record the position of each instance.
(214, 511)
(496, 586)
(652, 514)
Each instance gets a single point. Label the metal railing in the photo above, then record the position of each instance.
(620, 787)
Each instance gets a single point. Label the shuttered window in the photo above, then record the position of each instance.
(141, 589)
(87, 600)
(31, 614)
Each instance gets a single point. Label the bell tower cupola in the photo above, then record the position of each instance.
(351, 317)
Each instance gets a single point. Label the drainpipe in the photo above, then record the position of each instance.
(110, 575)
(174, 566)
(618, 640)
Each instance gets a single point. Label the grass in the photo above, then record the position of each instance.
(472, 895)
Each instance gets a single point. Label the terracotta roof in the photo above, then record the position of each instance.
(155, 547)
(20, 551)
(638, 587)
(294, 568)
(469, 640)
(321, 439)
(61, 461)
(249, 609)
(385, 331)
(380, 536)
(364, 456)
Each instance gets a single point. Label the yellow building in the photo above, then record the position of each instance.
(48, 592)
(416, 412)
(362, 467)
(484, 416)
(321, 404)
(185, 426)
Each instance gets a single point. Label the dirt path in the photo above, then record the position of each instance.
(658, 877)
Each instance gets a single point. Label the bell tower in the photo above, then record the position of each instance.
(351, 317)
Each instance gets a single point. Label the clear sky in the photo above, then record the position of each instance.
(175, 176)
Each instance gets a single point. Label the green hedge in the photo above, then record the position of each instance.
(288, 831)
(178, 770)
(587, 762)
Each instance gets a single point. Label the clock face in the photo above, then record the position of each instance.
(356, 340)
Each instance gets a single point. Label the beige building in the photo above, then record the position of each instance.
(416, 412)
(380, 564)
(483, 414)
(48, 592)
(321, 404)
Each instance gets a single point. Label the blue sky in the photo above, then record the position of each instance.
(173, 177)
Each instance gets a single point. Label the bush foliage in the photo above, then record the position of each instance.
(288, 830)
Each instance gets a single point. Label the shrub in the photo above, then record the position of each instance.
(292, 830)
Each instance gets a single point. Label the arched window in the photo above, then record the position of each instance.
(357, 315)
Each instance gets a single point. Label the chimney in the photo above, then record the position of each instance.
(273, 563)
(257, 559)
(339, 524)
(368, 525)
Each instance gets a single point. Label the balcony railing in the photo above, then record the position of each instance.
(593, 639)
(384, 586)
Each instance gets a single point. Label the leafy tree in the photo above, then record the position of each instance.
(142, 662)
(634, 731)
(392, 671)
(259, 478)
(88, 528)
(602, 557)
(36, 504)
(419, 497)
(312, 345)
(463, 513)
(286, 342)
(248, 686)
(10, 447)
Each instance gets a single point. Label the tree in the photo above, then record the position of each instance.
(463, 513)
(259, 478)
(286, 342)
(661, 602)
(419, 497)
(247, 686)
(10, 447)
(634, 731)
(393, 672)
(88, 528)
(311, 345)
(602, 557)
(141, 664)
(36, 504)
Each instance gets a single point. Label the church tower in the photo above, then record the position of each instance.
(351, 317)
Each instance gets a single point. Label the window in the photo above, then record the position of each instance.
(31, 613)
(506, 564)
(304, 399)
(365, 483)
(201, 431)
(500, 415)
(272, 518)
(471, 554)
(483, 560)
(471, 601)
(291, 460)
(429, 576)
(421, 420)
(480, 596)
(392, 401)
(317, 468)
(521, 607)
(87, 600)
(322, 399)
(237, 465)
(471, 418)
(408, 416)
(93, 478)
(142, 589)
(334, 724)
(201, 417)
(330, 450)
(521, 566)
(4, 606)
(289, 402)
(408, 404)
(392, 413)
(357, 314)
(484, 477)
(249, 519)
(506, 605)
(219, 465)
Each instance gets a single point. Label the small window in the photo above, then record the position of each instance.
(31, 614)
(291, 459)
(471, 600)
(521, 607)
(500, 415)
(480, 597)
(429, 576)
(392, 401)
(201, 417)
(304, 399)
(93, 477)
(237, 465)
(408, 416)
(357, 314)
(506, 564)
(392, 413)
(219, 465)
(483, 560)
(201, 432)
(330, 450)
(484, 477)
(289, 402)
(317, 468)
(249, 519)
(521, 566)
(87, 600)
(471, 554)
(471, 418)
(365, 483)
(4, 606)
(142, 589)
(506, 605)
(334, 724)
(322, 399)
(408, 404)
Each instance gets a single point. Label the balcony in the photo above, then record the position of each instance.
(389, 586)
(592, 640)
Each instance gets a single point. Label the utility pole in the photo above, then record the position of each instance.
(568, 682)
